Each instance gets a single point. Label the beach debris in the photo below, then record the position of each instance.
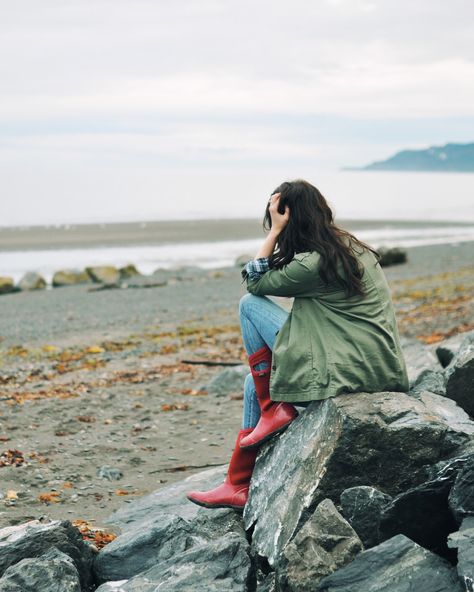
(109, 473)
(212, 362)
(50, 497)
(103, 274)
(392, 256)
(70, 277)
(32, 281)
(175, 407)
(12, 458)
(98, 536)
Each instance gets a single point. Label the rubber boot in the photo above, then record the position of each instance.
(275, 416)
(233, 493)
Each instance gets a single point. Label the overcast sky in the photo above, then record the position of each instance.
(111, 103)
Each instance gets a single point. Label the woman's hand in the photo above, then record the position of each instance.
(279, 221)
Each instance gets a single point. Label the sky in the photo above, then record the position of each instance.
(133, 109)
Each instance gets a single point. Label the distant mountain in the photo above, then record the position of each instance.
(448, 158)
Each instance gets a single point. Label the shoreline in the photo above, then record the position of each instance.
(146, 233)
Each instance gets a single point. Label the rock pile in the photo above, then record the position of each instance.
(364, 491)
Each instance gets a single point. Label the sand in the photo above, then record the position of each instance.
(94, 378)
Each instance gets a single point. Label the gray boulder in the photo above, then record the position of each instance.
(386, 439)
(162, 526)
(162, 537)
(242, 260)
(422, 514)
(361, 507)
(128, 271)
(32, 281)
(433, 381)
(112, 586)
(103, 274)
(460, 378)
(447, 349)
(463, 542)
(325, 543)
(227, 381)
(35, 538)
(461, 496)
(168, 500)
(397, 565)
(52, 572)
(391, 256)
(419, 358)
(70, 277)
(6, 285)
(221, 565)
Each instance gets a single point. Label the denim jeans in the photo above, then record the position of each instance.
(260, 321)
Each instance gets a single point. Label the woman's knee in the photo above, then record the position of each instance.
(247, 300)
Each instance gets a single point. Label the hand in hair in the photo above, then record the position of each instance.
(279, 221)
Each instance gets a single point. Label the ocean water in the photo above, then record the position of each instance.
(214, 254)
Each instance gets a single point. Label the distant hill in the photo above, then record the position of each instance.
(448, 158)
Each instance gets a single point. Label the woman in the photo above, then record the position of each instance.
(341, 335)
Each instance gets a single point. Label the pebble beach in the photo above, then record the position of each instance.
(105, 394)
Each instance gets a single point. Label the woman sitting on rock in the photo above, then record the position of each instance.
(341, 335)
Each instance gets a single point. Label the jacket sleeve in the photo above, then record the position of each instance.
(298, 278)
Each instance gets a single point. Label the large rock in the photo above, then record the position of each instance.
(391, 256)
(52, 572)
(32, 281)
(34, 538)
(463, 541)
(227, 381)
(397, 565)
(6, 285)
(103, 274)
(461, 496)
(422, 514)
(419, 358)
(128, 271)
(361, 507)
(164, 525)
(160, 538)
(447, 349)
(460, 378)
(70, 277)
(384, 439)
(222, 565)
(325, 543)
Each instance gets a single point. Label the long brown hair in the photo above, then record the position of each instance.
(311, 227)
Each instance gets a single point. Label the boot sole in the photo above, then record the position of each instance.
(210, 506)
(268, 436)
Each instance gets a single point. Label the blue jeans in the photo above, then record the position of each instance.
(260, 321)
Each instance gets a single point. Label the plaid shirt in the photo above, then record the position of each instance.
(255, 268)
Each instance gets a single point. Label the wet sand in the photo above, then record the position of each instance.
(94, 378)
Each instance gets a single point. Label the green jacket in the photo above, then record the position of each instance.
(332, 344)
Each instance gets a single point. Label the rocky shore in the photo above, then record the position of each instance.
(110, 397)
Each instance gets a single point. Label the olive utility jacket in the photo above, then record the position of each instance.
(332, 344)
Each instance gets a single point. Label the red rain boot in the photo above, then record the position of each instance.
(275, 416)
(233, 493)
